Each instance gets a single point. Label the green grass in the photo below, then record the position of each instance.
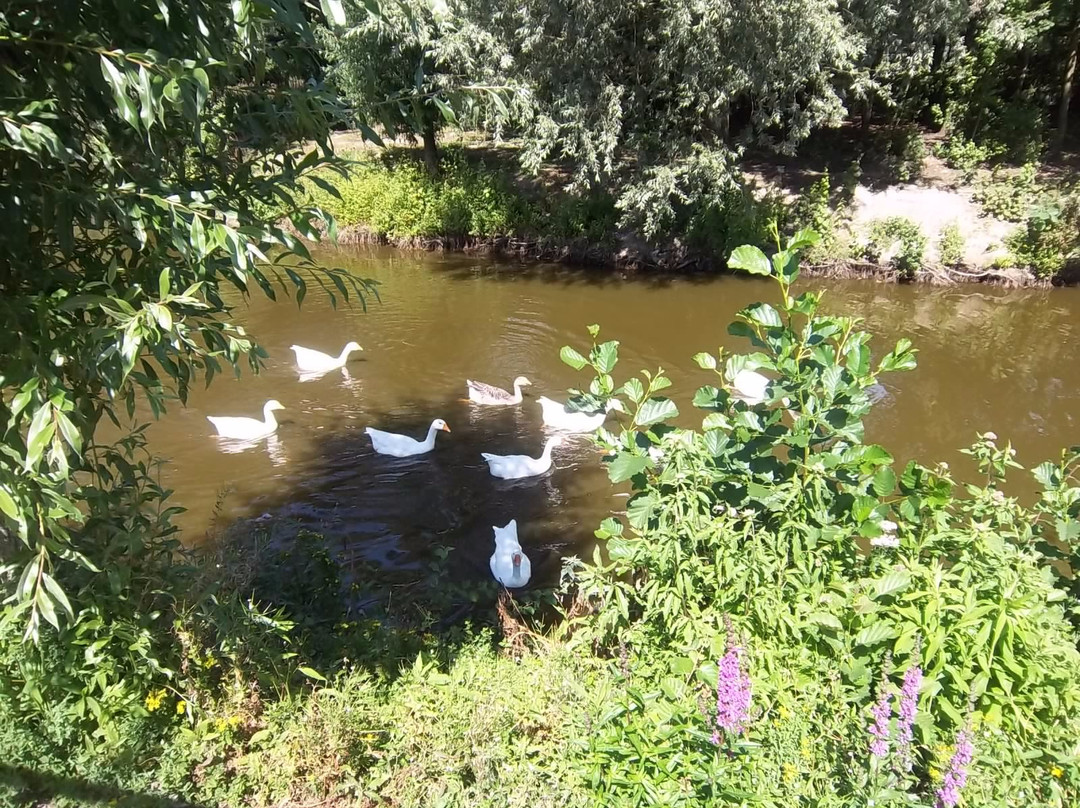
(475, 731)
(393, 196)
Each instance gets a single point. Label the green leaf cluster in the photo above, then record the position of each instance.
(143, 144)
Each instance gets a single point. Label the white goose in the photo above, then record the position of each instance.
(514, 467)
(509, 564)
(481, 393)
(749, 386)
(558, 417)
(388, 443)
(248, 428)
(311, 361)
(752, 387)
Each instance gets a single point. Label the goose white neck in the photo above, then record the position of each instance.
(348, 349)
(268, 414)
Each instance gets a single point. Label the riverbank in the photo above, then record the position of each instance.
(939, 230)
(425, 692)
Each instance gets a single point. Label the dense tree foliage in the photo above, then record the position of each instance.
(413, 65)
(656, 99)
(144, 143)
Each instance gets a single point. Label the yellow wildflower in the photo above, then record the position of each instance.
(209, 662)
(804, 748)
(785, 713)
(789, 773)
(220, 725)
(153, 699)
(181, 707)
(1057, 771)
(234, 721)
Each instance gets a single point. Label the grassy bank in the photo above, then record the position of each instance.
(492, 713)
(1008, 226)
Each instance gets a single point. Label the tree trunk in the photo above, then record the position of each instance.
(431, 149)
(867, 113)
(868, 102)
(936, 94)
(1067, 85)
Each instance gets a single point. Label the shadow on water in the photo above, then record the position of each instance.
(41, 788)
(367, 553)
(510, 270)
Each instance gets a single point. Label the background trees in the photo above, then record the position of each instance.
(414, 64)
(655, 101)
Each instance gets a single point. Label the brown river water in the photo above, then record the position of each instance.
(990, 359)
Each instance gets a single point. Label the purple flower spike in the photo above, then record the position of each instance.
(879, 730)
(955, 778)
(732, 691)
(908, 709)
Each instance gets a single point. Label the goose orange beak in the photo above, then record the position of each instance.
(445, 428)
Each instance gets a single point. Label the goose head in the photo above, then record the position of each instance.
(352, 346)
(521, 381)
(271, 405)
(439, 424)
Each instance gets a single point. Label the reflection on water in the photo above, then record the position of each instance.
(271, 444)
(989, 359)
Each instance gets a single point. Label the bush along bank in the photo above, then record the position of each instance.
(483, 203)
(391, 198)
(809, 624)
(780, 617)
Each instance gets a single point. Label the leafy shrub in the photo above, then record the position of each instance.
(904, 153)
(1059, 510)
(591, 215)
(951, 245)
(813, 209)
(964, 155)
(1013, 131)
(739, 216)
(1049, 237)
(672, 200)
(902, 234)
(849, 181)
(396, 197)
(1009, 197)
(774, 555)
(1017, 130)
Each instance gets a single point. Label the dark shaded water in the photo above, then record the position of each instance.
(989, 359)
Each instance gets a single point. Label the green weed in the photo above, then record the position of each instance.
(899, 238)
(951, 245)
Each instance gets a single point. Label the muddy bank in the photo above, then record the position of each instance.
(629, 254)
